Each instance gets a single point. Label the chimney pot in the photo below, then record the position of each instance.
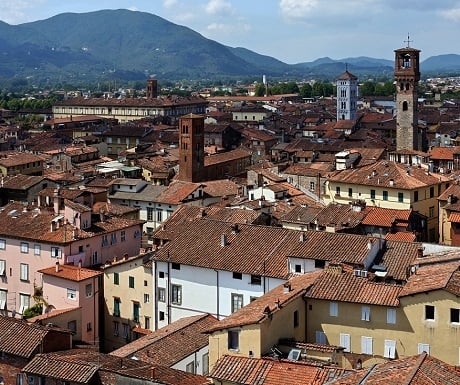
(223, 240)
(57, 266)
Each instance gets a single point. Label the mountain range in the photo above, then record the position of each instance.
(131, 45)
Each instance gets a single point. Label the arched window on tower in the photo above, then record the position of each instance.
(401, 86)
(406, 62)
(407, 86)
(405, 106)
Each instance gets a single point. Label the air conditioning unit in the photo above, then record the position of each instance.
(364, 273)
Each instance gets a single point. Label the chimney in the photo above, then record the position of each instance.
(303, 237)
(223, 240)
(286, 287)
(79, 263)
(152, 373)
(57, 266)
(235, 228)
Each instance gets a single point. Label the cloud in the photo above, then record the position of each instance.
(168, 4)
(451, 14)
(17, 11)
(218, 7)
(298, 9)
(221, 28)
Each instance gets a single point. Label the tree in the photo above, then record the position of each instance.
(259, 89)
(305, 91)
(367, 88)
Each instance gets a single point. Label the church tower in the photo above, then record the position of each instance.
(347, 96)
(191, 151)
(407, 76)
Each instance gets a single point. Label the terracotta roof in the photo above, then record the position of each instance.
(177, 192)
(263, 371)
(82, 365)
(378, 216)
(220, 188)
(165, 101)
(16, 158)
(301, 215)
(347, 75)
(239, 153)
(440, 276)
(70, 272)
(454, 217)
(443, 153)
(405, 236)
(19, 338)
(422, 369)
(341, 216)
(386, 174)
(20, 181)
(256, 311)
(344, 286)
(172, 343)
(397, 257)
(42, 318)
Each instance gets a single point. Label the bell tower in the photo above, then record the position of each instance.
(191, 151)
(407, 76)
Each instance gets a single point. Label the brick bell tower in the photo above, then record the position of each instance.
(191, 148)
(407, 76)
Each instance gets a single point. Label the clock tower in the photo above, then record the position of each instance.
(407, 76)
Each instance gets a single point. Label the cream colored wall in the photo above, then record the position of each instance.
(349, 322)
(442, 336)
(445, 226)
(127, 295)
(249, 340)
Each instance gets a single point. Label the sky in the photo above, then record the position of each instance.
(292, 31)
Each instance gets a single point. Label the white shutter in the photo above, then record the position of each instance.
(366, 345)
(2, 299)
(320, 337)
(391, 316)
(423, 348)
(345, 341)
(2, 266)
(390, 349)
(365, 313)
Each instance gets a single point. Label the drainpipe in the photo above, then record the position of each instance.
(169, 291)
(155, 293)
(217, 294)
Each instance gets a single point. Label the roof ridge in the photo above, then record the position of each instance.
(415, 369)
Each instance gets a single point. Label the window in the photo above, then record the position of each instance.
(123, 236)
(429, 312)
(415, 196)
(2, 267)
(333, 309)
(237, 275)
(405, 106)
(161, 315)
(161, 294)
(350, 192)
(125, 332)
(116, 307)
(147, 322)
(298, 268)
(391, 316)
(175, 266)
(24, 302)
(366, 345)
(116, 328)
(89, 290)
(400, 197)
(131, 282)
(55, 252)
(296, 318)
(205, 362)
(136, 307)
(116, 279)
(423, 348)
(161, 274)
(345, 342)
(190, 367)
(365, 313)
(71, 294)
(385, 195)
(233, 339)
(24, 272)
(320, 264)
(454, 316)
(431, 192)
(372, 194)
(256, 280)
(312, 186)
(176, 294)
(3, 297)
(72, 326)
(337, 191)
(150, 214)
(237, 302)
(146, 298)
(431, 212)
(37, 249)
(2, 244)
(389, 349)
(113, 239)
(320, 337)
(159, 215)
(24, 247)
